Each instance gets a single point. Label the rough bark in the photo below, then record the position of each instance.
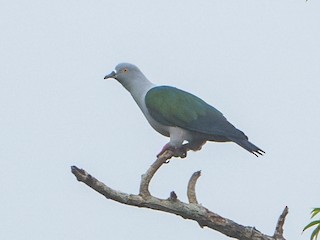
(192, 210)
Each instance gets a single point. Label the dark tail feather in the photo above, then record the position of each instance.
(249, 146)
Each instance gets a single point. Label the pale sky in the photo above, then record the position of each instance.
(255, 61)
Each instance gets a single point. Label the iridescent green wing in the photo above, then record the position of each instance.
(173, 107)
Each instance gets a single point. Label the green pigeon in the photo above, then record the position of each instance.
(186, 119)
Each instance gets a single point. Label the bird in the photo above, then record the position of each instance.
(186, 119)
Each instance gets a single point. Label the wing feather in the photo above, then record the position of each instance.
(174, 107)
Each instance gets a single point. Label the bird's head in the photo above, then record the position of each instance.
(126, 73)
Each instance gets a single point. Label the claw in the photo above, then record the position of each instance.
(180, 152)
(176, 152)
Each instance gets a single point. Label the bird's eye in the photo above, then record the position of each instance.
(125, 70)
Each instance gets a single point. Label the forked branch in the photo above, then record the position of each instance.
(192, 210)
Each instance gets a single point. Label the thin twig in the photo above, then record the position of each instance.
(278, 233)
(146, 178)
(191, 191)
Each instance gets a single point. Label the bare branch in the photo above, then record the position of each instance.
(191, 192)
(278, 233)
(146, 178)
(193, 211)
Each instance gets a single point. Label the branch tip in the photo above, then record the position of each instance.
(191, 190)
(79, 173)
(278, 233)
(75, 169)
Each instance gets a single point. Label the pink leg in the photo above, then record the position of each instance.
(165, 148)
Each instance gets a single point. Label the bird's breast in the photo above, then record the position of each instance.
(162, 129)
(140, 100)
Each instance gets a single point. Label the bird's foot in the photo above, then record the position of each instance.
(180, 152)
(176, 151)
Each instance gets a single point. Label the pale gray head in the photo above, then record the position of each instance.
(127, 74)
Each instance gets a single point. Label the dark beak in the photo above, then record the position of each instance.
(111, 75)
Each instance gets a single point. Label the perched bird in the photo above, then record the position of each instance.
(178, 114)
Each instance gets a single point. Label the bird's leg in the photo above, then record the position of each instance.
(194, 146)
(182, 150)
(165, 148)
(176, 151)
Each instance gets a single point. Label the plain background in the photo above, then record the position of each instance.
(256, 61)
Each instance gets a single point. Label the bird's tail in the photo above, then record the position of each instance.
(249, 146)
